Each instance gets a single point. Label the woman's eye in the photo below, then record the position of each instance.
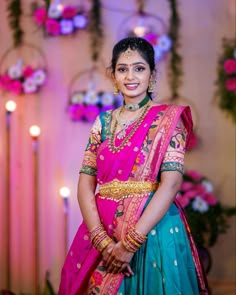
(121, 70)
(140, 69)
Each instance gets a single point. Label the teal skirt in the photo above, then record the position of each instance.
(164, 264)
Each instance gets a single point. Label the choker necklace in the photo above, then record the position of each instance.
(134, 107)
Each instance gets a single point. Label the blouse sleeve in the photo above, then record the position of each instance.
(89, 165)
(174, 156)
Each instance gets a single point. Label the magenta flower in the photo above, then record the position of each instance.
(230, 66)
(183, 200)
(69, 12)
(210, 199)
(186, 185)
(152, 38)
(231, 84)
(91, 112)
(53, 27)
(40, 16)
(191, 194)
(28, 72)
(16, 87)
(194, 175)
(76, 111)
(5, 81)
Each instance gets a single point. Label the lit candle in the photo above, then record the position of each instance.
(65, 193)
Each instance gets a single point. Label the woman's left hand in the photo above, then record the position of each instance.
(118, 260)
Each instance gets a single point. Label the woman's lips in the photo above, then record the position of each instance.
(131, 86)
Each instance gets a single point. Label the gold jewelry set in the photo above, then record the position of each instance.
(133, 240)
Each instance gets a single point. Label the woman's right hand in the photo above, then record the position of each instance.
(123, 267)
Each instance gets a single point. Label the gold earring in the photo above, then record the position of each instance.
(115, 89)
(151, 85)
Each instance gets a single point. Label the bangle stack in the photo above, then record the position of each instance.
(99, 238)
(133, 240)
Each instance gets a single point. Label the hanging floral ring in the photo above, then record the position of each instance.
(150, 27)
(22, 77)
(60, 19)
(86, 100)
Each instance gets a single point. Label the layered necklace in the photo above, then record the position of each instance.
(124, 124)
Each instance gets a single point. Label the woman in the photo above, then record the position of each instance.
(134, 238)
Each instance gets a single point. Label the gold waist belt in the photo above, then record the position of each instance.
(117, 190)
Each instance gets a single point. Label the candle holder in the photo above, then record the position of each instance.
(65, 193)
(10, 107)
(35, 132)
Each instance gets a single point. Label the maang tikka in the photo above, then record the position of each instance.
(128, 53)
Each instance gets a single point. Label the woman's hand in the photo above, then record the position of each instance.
(117, 259)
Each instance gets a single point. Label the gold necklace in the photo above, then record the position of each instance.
(111, 143)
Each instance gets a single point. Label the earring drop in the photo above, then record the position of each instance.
(151, 86)
(115, 89)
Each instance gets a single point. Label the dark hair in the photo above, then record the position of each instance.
(144, 48)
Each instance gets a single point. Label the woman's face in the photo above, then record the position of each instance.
(132, 75)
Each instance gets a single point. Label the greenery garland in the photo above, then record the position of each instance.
(14, 14)
(226, 80)
(175, 66)
(95, 29)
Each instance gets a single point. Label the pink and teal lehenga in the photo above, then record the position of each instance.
(167, 263)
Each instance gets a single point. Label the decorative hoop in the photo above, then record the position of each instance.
(88, 95)
(150, 27)
(20, 76)
(30, 46)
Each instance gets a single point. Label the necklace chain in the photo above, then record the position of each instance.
(111, 143)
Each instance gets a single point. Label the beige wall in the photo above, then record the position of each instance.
(62, 142)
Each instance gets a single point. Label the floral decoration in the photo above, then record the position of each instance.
(207, 217)
(21, 79)
(226, 81)
(60, 20)
(86, 105)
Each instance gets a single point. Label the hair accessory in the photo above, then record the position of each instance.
(134, 107)
(128, 53)
(115, 89)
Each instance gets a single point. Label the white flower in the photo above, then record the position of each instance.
(200, 205)
(77, 97)
(158, 53)
(39, 77)
(66, 26)
(164, 43)
(91, 97)
(208, 185)
(80, 21)
(29, 85)
(54, 11)
(107, 99)
(15, 72)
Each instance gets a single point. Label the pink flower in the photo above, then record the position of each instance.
(76, 111)
(210, 199)
(16, 87)
(191, 194)
(230, 66)
(28, 72)
(98, 278)
(40, 15)
(91, 112)
(152, 38)
(186, 185)
(194, 175)
(231, 84)
(5, 81)
(53, 27)
(183, 200)
(69, 12)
